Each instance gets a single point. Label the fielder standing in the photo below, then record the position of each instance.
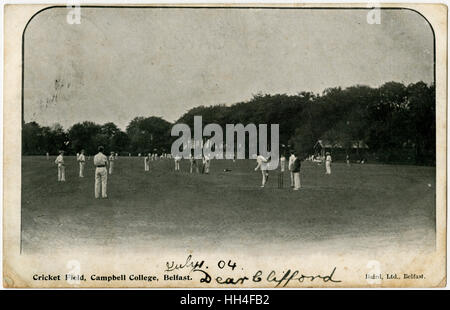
(81, 161)
(328, 163)
(290, 166)
(296, 171)
(147, 162)
(177, 160)
(101, 173)
(111, 162)
(206, 163)
(61, 168)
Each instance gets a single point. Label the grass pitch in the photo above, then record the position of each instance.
(356, 207)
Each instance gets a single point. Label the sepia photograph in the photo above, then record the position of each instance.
(234, 136)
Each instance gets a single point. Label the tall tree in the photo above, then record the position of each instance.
(82, 136)
(151, 134)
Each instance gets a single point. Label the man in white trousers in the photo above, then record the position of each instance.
(296, 171)
(328, 163)
(101, 173)
(147, 162)
(61, 168)
(81, 161)
(206, 164)
(111, 162)
(177, 160)
(290, 166)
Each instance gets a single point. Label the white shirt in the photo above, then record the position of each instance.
(328, 159)
(291, 161)
(111, 157)
(100, 159)
(81, 158)
(59, 160)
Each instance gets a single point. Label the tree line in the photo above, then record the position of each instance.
(390, 123)
(142, 135)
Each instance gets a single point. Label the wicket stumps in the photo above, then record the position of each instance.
(280, 180)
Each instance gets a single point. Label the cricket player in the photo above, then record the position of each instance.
(328, 163)
(296, 171)
(101, 173)
(177, 160)
(111, 162)
(262, 164)
(81, 161)
(193, 162)
(347, 159)
(290, 166)
(147, 162)
(206, 163)
(48, 155)
(61, 168)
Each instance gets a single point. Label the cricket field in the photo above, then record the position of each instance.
(360, 206)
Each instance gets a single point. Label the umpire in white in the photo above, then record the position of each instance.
(101, 173)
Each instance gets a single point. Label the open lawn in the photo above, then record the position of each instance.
(356, 208)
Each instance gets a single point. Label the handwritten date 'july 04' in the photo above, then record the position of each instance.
(278, 279)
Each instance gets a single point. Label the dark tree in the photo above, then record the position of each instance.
(151, 134)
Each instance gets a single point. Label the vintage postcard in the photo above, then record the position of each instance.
(225, 146)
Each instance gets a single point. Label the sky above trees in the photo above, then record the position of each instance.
(122, 63)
